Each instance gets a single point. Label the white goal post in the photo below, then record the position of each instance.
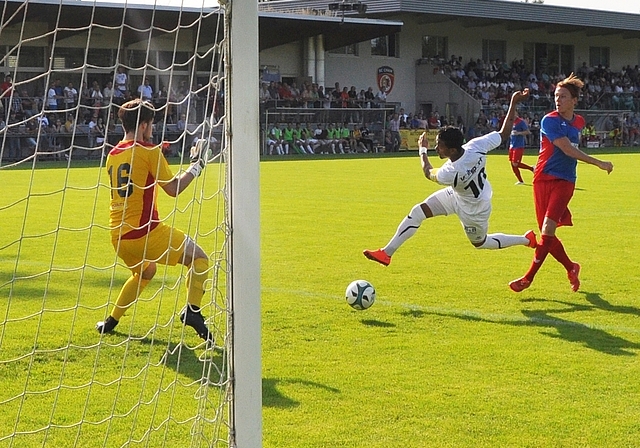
(66, 69)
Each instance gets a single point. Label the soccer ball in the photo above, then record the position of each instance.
(360, 294)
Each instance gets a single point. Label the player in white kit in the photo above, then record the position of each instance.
(468, 192)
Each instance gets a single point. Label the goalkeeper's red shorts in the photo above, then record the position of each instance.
(552, 200)
(164, 245)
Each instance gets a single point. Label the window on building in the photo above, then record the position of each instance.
(349, 49)
(599, 56)
(101, 57)
(66, 58)
(567, 59)
(494, 49)
(204, 61)
(550, 59)
(168, 58)
(385, 46)
(435, 47)
(29, 57)
(137, 59)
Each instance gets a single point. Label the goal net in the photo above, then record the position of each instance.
(67, 67)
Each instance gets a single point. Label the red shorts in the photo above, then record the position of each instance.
(552, 200)
(515, 154)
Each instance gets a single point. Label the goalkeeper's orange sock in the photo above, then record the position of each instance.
(128, 294)
(198, 274)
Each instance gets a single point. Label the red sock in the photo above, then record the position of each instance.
(558, 252)
(525, 167)
(542, 250)
(516, 171)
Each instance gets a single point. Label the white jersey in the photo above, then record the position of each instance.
(467, 177)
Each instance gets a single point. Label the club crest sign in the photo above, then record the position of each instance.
(386, 78)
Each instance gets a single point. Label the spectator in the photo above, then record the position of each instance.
(369, 97)
(366, 139)
(107, 93)
(70, 124)
(52, 100)
(70, 96)
(182, 122)
(434, 121)
(121, 82)
(265, 95)
(59, 93)
(394, 129)
(6, 88)
(335, 95)
(389, 143)
(353, 97)
(28, 104)
(145, 91)
(31, 129)
(96, 99)
(344, 98)
(92, 134)
(305, 96)
(381, 97)
(14, 151)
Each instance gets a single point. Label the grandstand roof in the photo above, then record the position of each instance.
(478, 13)
(275, 28)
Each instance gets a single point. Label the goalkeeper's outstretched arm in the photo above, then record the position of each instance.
(199, 157)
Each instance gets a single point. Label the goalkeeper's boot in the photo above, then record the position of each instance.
(573, 277)
(531, 236)
(192, 317)
(520, 284)
(107, 325)
(378, 255)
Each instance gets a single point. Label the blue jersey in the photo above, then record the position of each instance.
(518, 141)
(552, 161)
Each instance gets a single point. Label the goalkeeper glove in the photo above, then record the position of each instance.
(199, 156)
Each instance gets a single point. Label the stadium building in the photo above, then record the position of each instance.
(547, 39)
(398, 46)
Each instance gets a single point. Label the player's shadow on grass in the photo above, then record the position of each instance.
(596, 303)
(588, 336)
(184, 360)
(376, 323)
(274, 398)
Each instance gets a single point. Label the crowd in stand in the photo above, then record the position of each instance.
(492, 82)
(311, 95)
(66, 111)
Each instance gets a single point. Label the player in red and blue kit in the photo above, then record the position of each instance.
(516, 148)
(554, 179)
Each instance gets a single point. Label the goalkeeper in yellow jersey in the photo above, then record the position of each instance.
(136, 169)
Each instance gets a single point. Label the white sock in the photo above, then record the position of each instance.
(500, 241)
(407, 228)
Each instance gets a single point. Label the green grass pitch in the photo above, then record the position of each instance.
(448, 356)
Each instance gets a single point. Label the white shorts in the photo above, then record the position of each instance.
(474, 222)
